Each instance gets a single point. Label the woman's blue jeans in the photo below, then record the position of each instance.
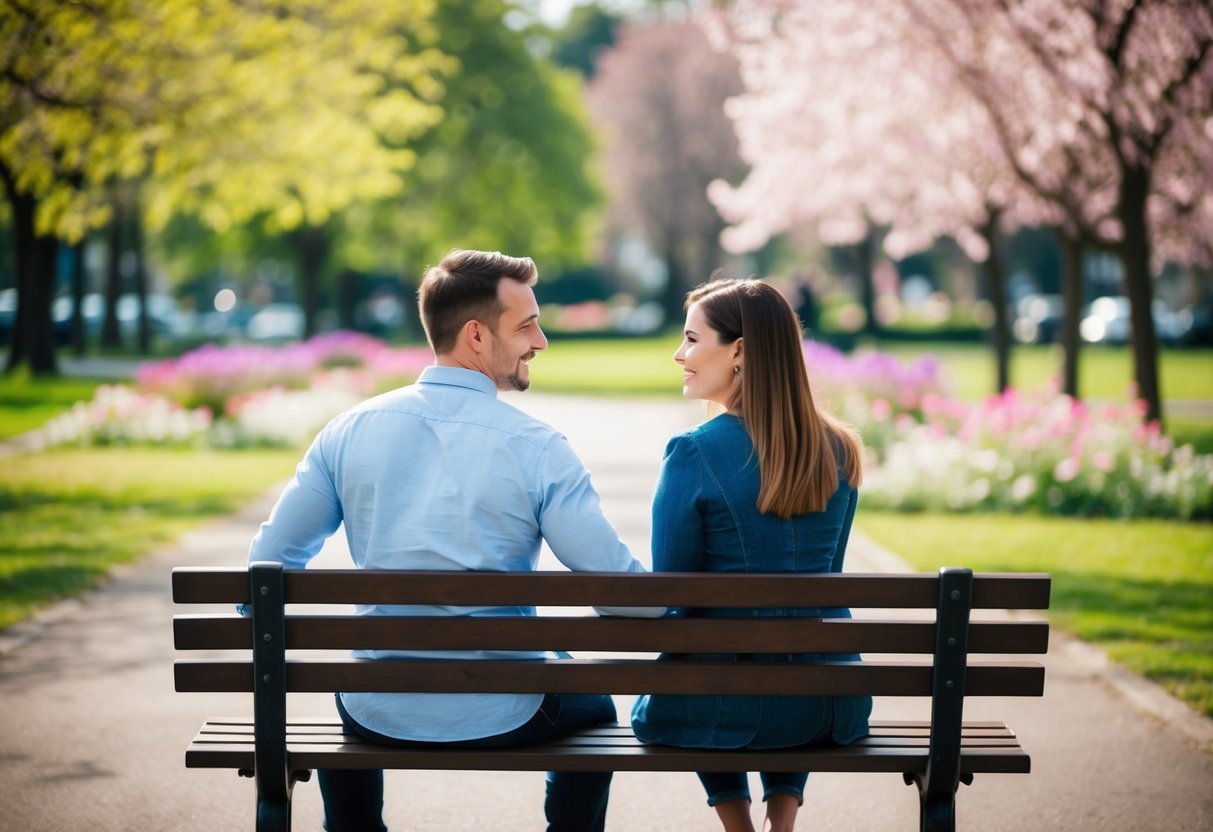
(574, 802)
(723, 786)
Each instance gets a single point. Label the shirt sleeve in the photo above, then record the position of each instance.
(307, 514)
(572, 523)
(571, 518)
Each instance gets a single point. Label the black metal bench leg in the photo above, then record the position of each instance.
(273, 815)
(936, 807)
(937, 814)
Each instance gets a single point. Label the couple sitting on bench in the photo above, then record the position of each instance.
(442, 475)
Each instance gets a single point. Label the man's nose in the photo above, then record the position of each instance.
(540, 343)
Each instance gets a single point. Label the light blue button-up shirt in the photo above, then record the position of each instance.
(442, 475)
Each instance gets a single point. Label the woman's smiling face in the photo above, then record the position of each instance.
(708, 366)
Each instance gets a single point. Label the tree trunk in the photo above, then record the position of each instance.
(76, 334)
(348, 290)
(135, 220)
(867, 284)
(312, 244)
(676, 288)
(995, 276)
(1135, 258)
(1071, 311)
(33, 337)
(111, 334)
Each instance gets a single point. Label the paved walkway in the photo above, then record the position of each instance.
(92, 734)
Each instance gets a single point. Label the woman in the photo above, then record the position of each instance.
(768, 485)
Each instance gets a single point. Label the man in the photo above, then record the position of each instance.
(443, 475)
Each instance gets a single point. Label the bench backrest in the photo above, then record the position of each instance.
(932, 619)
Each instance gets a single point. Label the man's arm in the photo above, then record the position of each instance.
(572, 523)
(306, 514)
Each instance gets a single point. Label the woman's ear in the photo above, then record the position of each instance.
(739, 351)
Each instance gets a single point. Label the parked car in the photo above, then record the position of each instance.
(8, 314)
(1037, 319)
(1107, 322)
(165, 316)
(276, 322)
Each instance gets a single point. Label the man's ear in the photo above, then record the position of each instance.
(476, 336)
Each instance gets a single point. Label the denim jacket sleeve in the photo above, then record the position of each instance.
(678, 534)
(840, 550)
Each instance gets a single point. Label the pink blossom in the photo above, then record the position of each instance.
(1066, 469)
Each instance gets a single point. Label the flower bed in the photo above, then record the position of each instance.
(1040, 452)
(1044, 452)
(240, 395)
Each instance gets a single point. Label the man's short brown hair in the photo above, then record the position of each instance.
(462, 288)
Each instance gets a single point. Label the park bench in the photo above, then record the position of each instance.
(923, 651)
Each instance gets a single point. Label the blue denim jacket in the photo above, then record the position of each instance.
(705, 519)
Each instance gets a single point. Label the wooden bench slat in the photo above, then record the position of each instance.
(614, 747)
(622, 676)
(243, 726)
(588, 633)
(341, 586)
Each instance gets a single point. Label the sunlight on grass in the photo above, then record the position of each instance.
(67, 516)
(622, 367)
(26, 403)
(1103, 373)
(1143, 591)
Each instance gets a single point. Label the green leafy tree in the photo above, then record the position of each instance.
(508, 168)
(228, 110)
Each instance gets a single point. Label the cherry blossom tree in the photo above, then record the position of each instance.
(1134, 85)
(658, 96)
(1091, 116)
(847, 126)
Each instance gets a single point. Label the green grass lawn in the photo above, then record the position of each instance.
(26, 403)
(1103, 373)
(616, 367)
(645, 366)
(67, 516)
(1143, 591)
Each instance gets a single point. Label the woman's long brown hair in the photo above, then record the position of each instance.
(798, 446)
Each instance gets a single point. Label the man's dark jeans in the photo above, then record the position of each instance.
(575, 801)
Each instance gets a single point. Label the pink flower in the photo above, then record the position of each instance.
(1103, 461)
(881, 410)
(1067, 469)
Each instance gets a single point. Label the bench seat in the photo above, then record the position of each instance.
(893, 746)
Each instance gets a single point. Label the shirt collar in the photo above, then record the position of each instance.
(458, 377)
